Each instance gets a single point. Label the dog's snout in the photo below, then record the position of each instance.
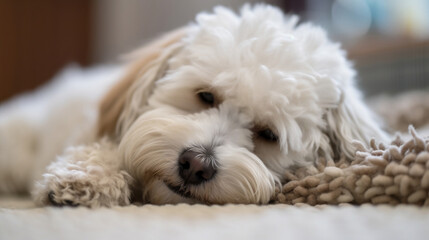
(194, 170)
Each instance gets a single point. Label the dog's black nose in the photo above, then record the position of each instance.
(194, 170)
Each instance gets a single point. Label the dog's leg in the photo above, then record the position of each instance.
(86, 176)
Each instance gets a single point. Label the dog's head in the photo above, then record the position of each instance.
(217, 111)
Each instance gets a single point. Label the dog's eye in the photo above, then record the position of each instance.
(207, 97)
(268, 135)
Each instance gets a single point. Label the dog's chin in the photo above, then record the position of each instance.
(179, 190)
(162, 192)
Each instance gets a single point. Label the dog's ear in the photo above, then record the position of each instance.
(123, 103)
(351, 120)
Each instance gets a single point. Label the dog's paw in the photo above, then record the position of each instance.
(56, 202)
(76, 188)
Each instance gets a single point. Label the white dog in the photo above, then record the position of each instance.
(211, 113)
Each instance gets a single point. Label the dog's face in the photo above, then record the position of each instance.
(220, 113)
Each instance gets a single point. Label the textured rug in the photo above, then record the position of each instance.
(393, 174)
(404, 109)
(384, 174)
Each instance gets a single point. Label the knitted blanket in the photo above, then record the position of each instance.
(392, 174)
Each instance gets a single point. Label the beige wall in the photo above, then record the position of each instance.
(122, 25)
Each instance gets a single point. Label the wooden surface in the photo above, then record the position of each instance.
(37, 38)
(377, 46)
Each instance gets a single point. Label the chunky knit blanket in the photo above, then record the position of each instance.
(392, 174)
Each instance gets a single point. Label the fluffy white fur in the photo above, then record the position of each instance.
(38, 126)
(265, 72)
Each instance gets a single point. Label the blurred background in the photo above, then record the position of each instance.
(388, 40)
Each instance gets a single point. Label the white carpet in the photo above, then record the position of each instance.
(19, 220)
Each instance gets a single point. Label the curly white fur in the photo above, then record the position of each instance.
(265, 72)
(86, 175)
(38, 126)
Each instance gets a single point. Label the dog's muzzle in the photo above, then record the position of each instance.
(194, 168)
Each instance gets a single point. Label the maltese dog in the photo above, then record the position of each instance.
(212, 113)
